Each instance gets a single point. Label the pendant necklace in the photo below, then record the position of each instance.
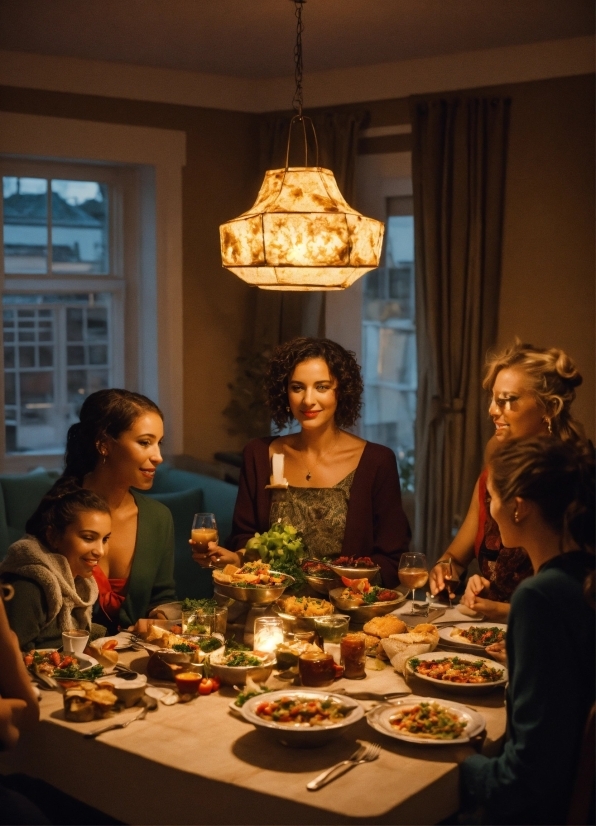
(308, 471)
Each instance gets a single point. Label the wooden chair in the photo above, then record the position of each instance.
(581, 808)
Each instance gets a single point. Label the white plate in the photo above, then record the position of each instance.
(379, 720)
(472, 688)
(302, 735)
(84, 660)
(448, 638)
(123, 640)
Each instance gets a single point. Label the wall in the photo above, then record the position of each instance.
(219, 183)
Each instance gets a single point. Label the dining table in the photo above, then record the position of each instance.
(201, 763)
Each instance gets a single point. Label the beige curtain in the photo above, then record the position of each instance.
(458, 161)
(281, 316)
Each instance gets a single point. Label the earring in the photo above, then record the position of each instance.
(515, 516)
(287, 409)
(104, 459)
(549, 427)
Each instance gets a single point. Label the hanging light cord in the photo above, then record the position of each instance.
(297, 101)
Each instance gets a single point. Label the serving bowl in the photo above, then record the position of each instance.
(302, 735)
(353, 572)
(129, 691)
(360, 614)
(322, 584)
(237, 674)
(294, 622)
(259, 595)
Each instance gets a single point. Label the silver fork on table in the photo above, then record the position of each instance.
(364, 754)
(140, 716)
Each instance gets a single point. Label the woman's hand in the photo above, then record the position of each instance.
(474, 587)
(498, 652)
(216, 556)
(436, 579)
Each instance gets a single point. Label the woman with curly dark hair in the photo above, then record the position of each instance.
(343, 493)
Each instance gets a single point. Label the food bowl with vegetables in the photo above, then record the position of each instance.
(233, 667)
(299, 612)
(320, 576)
(302, 718)
(255, 582)
(363, 601)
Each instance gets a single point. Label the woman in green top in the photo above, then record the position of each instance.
(114, 447)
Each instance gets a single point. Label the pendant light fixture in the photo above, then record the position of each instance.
(300, 234)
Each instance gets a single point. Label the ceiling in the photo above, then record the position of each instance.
(255, 38)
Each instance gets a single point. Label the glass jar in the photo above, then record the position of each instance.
(316, 669)
(353, 655)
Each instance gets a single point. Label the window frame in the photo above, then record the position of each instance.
(150, 161)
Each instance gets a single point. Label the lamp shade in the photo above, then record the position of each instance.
(301, 235)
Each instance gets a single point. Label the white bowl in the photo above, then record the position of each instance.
(380, 717)
(469, 688)
(237, 674)
(302, 735)
(129, 691)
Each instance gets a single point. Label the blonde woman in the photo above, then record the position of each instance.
(531, 390)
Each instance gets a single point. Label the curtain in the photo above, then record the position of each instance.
(279, 316)
(459, 150)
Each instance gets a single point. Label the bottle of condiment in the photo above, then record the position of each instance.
(316, 669)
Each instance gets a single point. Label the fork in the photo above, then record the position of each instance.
(364, 754)
(140, 716)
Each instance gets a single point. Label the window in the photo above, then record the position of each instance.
(62, 300)
(389, 341)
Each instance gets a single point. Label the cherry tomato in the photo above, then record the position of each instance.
(28, 658)
(386, 595)
(216, 683)
(206, 686)
(66, 662)
(55, 658)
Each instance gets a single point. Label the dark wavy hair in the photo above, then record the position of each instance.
(104, 413)
(60, 507)
(342, 365)
(557, 476)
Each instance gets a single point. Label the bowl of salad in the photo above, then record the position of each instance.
(255, 582)
(363, 601)
(301, 717)
(234, 666)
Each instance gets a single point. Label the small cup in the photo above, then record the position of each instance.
(187, 682)
(74, 642)
(331, 628)
(316, 669)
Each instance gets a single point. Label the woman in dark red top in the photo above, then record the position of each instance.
(531, 391)
(343, 493)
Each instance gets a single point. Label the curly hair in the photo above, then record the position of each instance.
(557, 475)
(60, 507)
(554, 377)
(342, 365)
(105, 413)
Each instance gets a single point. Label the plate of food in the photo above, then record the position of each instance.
(473, 636)
(55, 665)
(363, 601)
(254, 582)
(461, 672)
(118, 642)
(302, 717)
(354, 567)
(427, 721)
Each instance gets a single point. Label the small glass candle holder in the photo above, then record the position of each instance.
(269, 633)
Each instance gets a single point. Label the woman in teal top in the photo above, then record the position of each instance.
(542, 498)
(113, 449)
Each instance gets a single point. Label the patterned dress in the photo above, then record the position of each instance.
(504, 567)
(319, 514)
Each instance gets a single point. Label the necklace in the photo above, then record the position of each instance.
(325, 452)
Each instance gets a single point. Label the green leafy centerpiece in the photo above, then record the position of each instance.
(282, 548)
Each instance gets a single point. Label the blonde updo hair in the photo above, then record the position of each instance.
(554, 377)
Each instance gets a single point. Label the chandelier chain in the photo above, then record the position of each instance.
(297, 100)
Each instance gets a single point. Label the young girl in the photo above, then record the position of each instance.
(51, 567)
(542, 498)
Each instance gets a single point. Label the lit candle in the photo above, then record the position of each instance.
(269, 633)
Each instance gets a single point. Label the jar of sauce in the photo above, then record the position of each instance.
(316, 669)
(353, 655)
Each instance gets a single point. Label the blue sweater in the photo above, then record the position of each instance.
(550, 649)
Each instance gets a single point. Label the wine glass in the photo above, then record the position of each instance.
(204, 531)
(413, 572)
(450, 577)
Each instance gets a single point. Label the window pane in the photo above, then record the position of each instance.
(43, 394)
(25, 225)
(79, 227)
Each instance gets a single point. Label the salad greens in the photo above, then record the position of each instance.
(282, 548)
(73, 672)
(199, 604)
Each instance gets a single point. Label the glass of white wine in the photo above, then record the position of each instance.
(204, 530)
(413, 572)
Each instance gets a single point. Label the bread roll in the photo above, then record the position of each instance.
(383, 627)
